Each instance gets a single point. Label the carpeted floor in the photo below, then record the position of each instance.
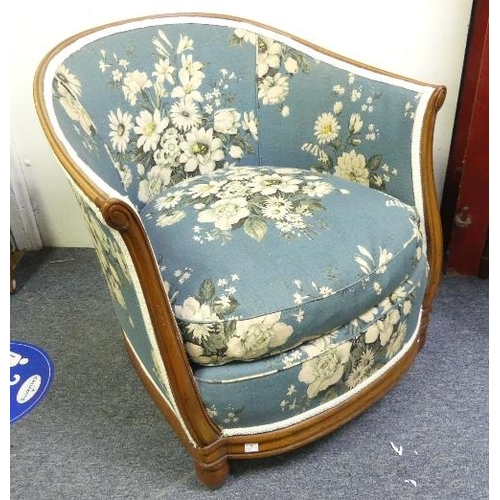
(97, 434)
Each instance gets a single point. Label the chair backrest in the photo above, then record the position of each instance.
(147, 103)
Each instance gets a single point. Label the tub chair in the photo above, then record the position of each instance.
(265, 215)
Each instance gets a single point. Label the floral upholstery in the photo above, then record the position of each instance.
(280, 191)
(281, 387)
(256, 259)
(126, 299)
(173, 112)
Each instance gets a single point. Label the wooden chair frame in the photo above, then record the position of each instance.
(203, 440)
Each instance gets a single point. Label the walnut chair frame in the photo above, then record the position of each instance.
(179, 398)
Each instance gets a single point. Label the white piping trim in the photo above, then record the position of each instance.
(243, 431)
(54, 122)
(416, 161)
(425, 90)
(104, 186)
(332, 334)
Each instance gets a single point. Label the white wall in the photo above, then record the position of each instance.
(422, 39)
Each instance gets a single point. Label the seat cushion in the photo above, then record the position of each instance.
(274, 390)
(257, 260)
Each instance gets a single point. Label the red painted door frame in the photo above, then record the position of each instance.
(465, 204)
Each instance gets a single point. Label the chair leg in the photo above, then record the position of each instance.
(213, 475)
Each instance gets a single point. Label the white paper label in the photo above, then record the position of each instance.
(251, 447)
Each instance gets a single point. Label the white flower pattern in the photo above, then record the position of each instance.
(170, 124)
(329, 368)
(253, 199)
(257, 337)
(176, 120)
(321, 372)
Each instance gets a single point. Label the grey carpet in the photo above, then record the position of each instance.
(97, 435)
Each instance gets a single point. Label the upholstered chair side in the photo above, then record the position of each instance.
(203, 437)
(150, 333)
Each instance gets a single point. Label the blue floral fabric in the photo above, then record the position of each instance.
(271, 390)
(258, 259)
(148, 107)
(276, 188)
(123, 292)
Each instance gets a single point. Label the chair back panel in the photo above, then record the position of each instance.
(336, 121)
(148, 104)
(157, 104)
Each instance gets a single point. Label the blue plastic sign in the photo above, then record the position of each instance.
(31, 373)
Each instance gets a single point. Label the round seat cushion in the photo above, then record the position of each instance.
(262, 259)
(274, 391)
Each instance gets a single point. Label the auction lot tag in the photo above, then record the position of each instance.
(31, 373)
